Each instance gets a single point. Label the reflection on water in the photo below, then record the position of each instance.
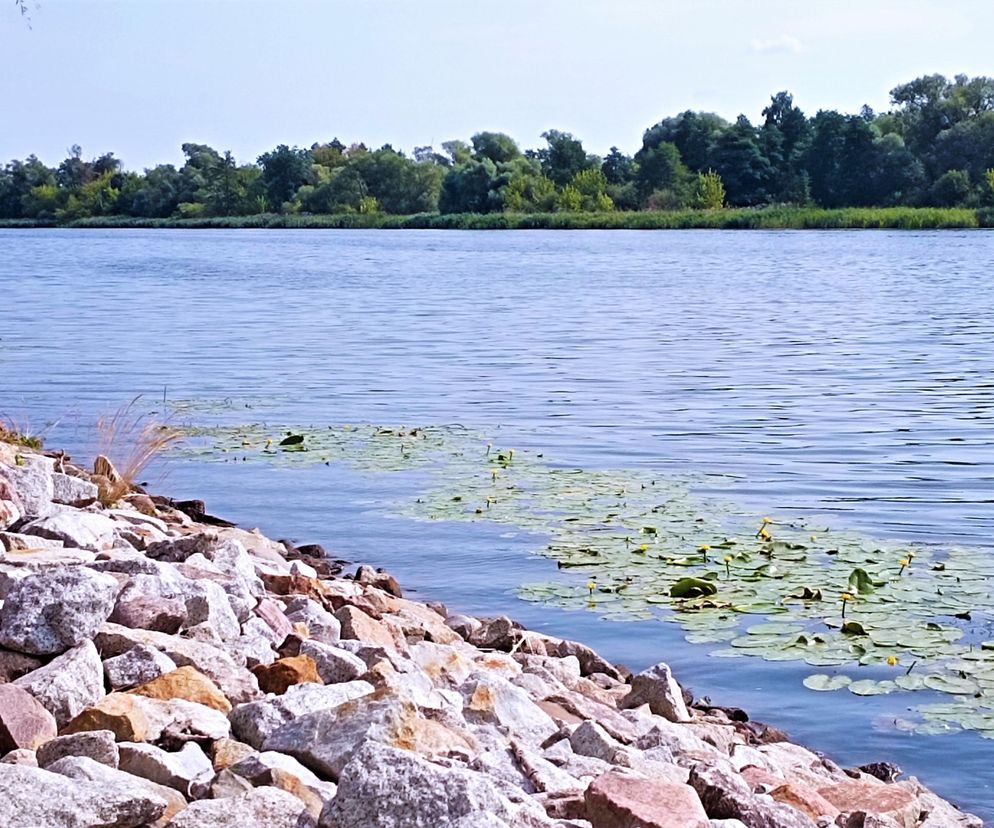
(844, 374)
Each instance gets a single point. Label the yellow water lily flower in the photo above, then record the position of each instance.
(892, 661)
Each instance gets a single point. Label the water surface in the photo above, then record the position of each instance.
(845, 375)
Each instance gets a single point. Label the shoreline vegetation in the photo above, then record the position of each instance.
(933, 149)
(164, 667)
(759, 218)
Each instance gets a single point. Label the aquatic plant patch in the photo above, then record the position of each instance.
(869, 618)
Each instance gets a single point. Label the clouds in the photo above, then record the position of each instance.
(783, 45)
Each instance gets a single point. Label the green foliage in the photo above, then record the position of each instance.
(710, 193)
(951, 189)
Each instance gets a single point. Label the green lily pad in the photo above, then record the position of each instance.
(868, 687)
(822, 682)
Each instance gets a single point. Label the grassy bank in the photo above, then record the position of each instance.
(765, 218)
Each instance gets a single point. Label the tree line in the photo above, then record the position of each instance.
(934, 147)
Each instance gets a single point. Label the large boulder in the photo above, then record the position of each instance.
(69, 684)
(138, 665)
(98, 745)
(618, 799)
(134, 718)
(51, 611)
(33, 798)
(28, 482)
(185, 683)
(393, 788)
(326, 739)
(75, 528)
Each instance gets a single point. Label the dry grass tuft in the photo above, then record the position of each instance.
(128, 443)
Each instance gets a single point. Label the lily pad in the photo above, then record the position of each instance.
(822, 682)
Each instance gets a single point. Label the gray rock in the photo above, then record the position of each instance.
(138, 665)
(31, 482)
(465, 625)
(98, 745)
(590, 739)
(271, 768)
(321, 624)
(389, 788)
(260, 808)
(187, 770)
(657, 688)
(33, 798)
(75, 528)
(10, 513)
(68, 684)
(590, 661)
(207, 603)
(335, 665)
(56, 609)
(21, 756)
(256, 721)
(492, 698)
(69, 489)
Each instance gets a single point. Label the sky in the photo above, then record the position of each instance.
(141, 77)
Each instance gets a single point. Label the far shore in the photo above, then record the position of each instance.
(761, 218)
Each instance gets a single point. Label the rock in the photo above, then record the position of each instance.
(135, 718)
(56, 609)
(379, 579)
(14, 665)
(16, 542)
(98, 745)
(805, 799)
(187, 770)
(69, 489)
(287, 774)
(138, 665)
(465, 625)
(286, 672)
(358, 625)
(69, 683)
(256, 721)
(326, 739)
(618, 800)
(21, 756)
(388, 787)
(726, 795)
(491, 698)
(207, 603)
(270, 612)
(657, 688)
(227, 752)
(334, 665)
(260, 808)
(590, 739)
(321, 625)
(150, 612)
(33, 798)
(30, 482)
(237, 683)
(590, 661)
(75, 528)
(897, 801)
(24, 721)
(185, 683)
(10, 513)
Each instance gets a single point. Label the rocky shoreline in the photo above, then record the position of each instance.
(159, 667)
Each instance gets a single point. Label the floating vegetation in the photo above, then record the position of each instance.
(636, 546)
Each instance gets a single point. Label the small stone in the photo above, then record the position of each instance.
(286, 672)
(138, 665)
(185, 683)
(334, 665)
(68, 684)
(227, 752)
(260, 808)
(21, 756)
(657, 688)
(618, 800)
(379, 579)
(182, 770)
(98, 745)
(56, 609)
(24, 721)
(359, 626)
(150, 612)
